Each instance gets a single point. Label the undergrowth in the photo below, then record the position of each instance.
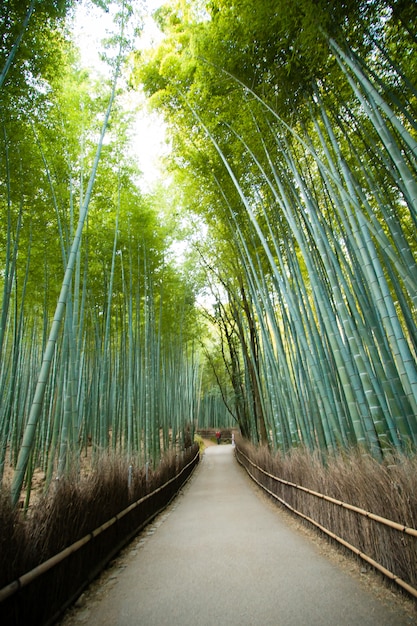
(200, 442)
(73, 507)
(387, 489)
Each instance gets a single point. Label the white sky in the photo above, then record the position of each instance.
(148, 141)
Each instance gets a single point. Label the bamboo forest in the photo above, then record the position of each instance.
(266, 281)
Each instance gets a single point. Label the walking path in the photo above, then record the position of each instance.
(222, 554)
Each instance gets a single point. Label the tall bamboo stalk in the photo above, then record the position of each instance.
(37, 403)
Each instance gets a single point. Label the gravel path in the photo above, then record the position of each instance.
(223, 554)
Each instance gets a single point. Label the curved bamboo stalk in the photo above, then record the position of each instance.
(17, 43)
(37, 403)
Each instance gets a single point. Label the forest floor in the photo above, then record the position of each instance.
(223, 553)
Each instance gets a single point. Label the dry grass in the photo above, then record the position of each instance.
(73, 507)
(387, 489)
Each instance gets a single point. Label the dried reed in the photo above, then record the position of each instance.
(387, 489)
(74, 507)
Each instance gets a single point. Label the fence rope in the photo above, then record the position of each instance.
(382, 520)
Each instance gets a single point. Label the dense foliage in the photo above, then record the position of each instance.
(293, 128)
(97, 322)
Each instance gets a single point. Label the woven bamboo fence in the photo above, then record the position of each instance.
(389, 547)
(40, 596)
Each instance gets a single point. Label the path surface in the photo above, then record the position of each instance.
(223, 555)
